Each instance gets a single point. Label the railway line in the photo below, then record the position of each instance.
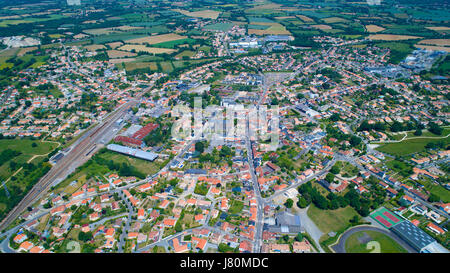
(76, 157)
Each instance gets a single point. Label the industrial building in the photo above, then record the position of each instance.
(132, 152)
(417, 238)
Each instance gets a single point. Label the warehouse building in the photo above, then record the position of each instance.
(132, 152)
(417, 238)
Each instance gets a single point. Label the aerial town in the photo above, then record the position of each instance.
(221, 126)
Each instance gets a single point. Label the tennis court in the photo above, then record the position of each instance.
(386, 218)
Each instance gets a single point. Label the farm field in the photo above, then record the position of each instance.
(322, 27)
(429, 47)
(374, 28)
(392, 37)
(273, 29)
(304, 18)
(119, 54)
(143, 48)
(219, 26)
(206, 14)
(331, 20)
(156, 39)
(436, 42)
(94, 47)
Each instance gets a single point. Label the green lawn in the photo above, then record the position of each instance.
(387, 244)
(331, 220)
(236, 207)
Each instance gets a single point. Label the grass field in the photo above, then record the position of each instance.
(331, 220)
(141, 165)
(387, 244)
(23, 146)
(410, 146)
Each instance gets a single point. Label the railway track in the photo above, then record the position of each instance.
(63, 168)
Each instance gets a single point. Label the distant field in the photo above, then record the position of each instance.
(115, 45)
(387, 244)
(429, 47)
(119, 54)
(439, 28)
(219, 26)
(122, 60)
(273, 29)
(94, 47)
(374, 28)
(305, 18)
(206, 14)
(25, 50)
(331, 20)
(436, 42)
(156, 39)
(143, 48)
(392, 37)
(322, 27)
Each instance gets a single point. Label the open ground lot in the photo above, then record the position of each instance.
(331, 220)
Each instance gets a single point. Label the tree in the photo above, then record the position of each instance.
(329, 178)
(435, 129)
(335, 169)
(433, 198)
(200, 147)
(299, 237)
(355, 141)
(418, 132)
(302, 202)
(178, 227)
(289, 202)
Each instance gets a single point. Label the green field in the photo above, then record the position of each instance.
(387, 244)
(331, 220)
(410, 146)
(219, 26)
(23, 146)
(236, 207)
(141, 165)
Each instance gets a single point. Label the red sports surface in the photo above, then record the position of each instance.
(383, 221)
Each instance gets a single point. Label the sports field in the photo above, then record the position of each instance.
(372, 241)
(386, 218)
